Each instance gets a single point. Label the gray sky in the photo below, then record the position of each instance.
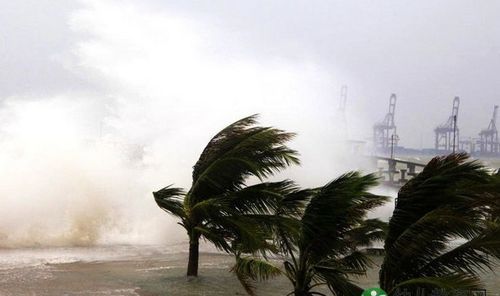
(425, 51)
(104, 101)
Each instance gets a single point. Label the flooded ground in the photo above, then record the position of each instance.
(132, 270)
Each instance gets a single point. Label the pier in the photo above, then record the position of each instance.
(396, 172)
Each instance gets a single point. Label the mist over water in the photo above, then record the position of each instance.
(62, 187)
(67, 184)
(78, 168)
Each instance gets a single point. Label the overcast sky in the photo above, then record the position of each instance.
(103, 102)
(426, 52)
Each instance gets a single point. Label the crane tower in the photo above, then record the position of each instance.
(488, 141)
(384, 131)
(447, 134)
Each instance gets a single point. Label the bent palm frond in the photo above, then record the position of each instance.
(451, 282)
(170, 199)
(334, 210)
(250, 270)
(237, 152)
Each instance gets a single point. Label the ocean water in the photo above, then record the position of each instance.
(134, 270)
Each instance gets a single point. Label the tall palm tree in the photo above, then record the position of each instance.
(445, 227)
(219, 206)
(325, 247)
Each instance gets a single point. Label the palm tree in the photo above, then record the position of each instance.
(324, 248)
(278, 225)
(445, 227)
(219, 206)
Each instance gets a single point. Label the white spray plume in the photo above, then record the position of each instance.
(79, 168)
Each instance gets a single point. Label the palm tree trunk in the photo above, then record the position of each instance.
(300, 284)
(194, 254)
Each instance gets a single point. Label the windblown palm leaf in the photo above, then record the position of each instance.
(249, 270)
(442, 231)
(334, 210)
(237, 152)
(169, 199)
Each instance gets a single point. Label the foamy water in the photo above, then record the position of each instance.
(39, 257)
(135, 270)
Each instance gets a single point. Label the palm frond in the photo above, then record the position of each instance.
(428, 237)
(255, 269)
(452, 282)
(470, 257)
(250, 270)
(217, 237)
(337, 282)
(237, 152)
(355, 263)
(242, 231)
(264, 198)
(367, 232)
(170, 200)
(246, 282)
(335, 209)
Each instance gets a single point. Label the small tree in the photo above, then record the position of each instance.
(323, 249)
(219, 206)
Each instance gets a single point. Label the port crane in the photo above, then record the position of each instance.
(447, 134)
(488, 138)
(384, 132)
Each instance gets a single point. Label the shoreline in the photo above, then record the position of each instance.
(143, 271)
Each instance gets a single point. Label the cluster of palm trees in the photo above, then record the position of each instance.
(445, 228)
